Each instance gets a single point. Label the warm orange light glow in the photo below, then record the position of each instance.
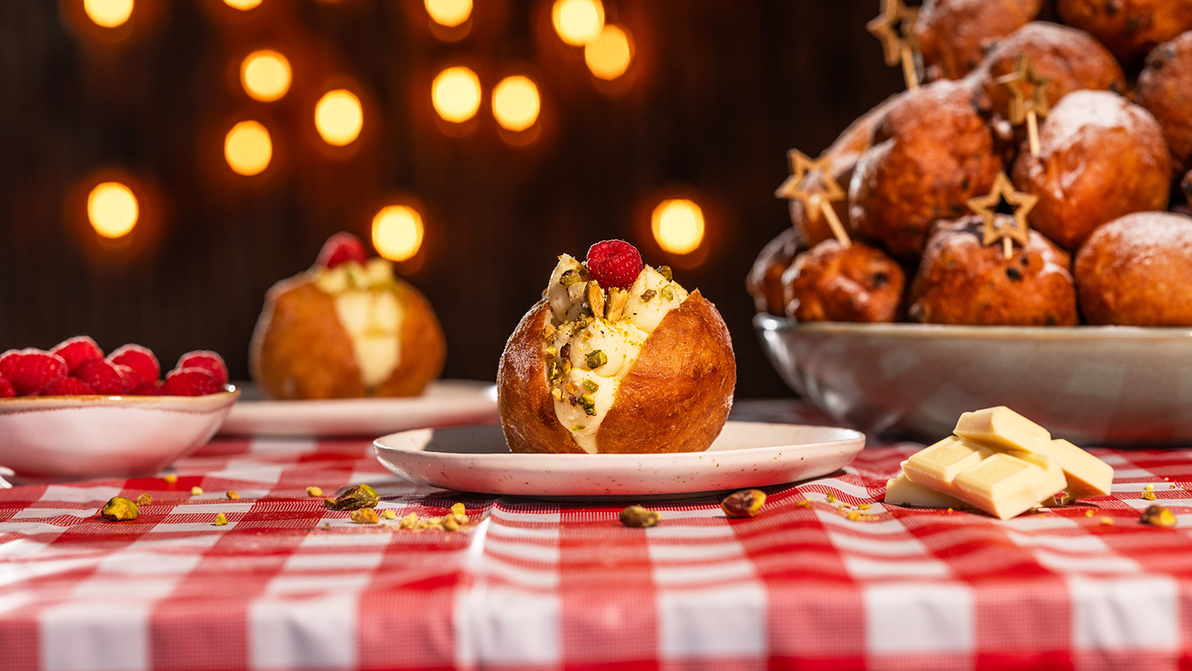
(678, 226)
(248, 148)
(112, 209)
(455, 94)
(516, 103)
(265, 75)
(397, 232)
(339, 117)
(577, 22)
(242, 5)
(108, 13)
(608, 56)
(449, 13)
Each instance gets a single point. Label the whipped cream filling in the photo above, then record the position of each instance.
(367, 307)
(587, 356)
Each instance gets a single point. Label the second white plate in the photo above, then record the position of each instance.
(444, 403)
(746, 454)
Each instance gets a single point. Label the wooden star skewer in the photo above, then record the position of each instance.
(1024, 107)
(895, 27)
(818, 194)
(986, 207)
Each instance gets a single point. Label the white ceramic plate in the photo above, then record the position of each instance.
(444, 403)
(1089, 384)
(746, 454)
(85, 437)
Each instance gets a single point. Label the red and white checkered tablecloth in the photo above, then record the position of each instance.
(532, 584)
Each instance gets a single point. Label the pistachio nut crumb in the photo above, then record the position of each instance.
(617, 298)
(865, 506)
(458, 508)
(450, 524)
(745, 503)
(666, 272)
(596, 359)
(171, 478)
(637, 516)
(596, 299)
(220, 519)
(145, 499)
(803, 504)
(235, 496)
(408, 521)
(388, 514)
(119, 509)
(314, 491)
(831, 498)
(196, 490)
(1107, 521)
(326, 526)
(364, 516)
(668, 293)
(647, 295)
(853, 515)
(1064, 498)
(1088, 513)
(1158, 516)
(355, 498)
(590, 385)
(1148, 495)
(1149, 487)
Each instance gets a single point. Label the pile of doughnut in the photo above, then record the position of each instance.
(1110, 236)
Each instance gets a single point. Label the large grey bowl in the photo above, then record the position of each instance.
(1089, 384)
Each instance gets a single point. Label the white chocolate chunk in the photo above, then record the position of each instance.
(900, 491)
(1006, 484)
(562, 299)
(1086, 475)
(648, 300)
(937, 466)
(1000, 428)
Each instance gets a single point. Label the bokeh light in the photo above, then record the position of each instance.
(265, 75)
(678, 225)
(577, 22)
(339, 117)
(450, 13)
(609, 55)
(397, 232)
(242, 5)
(248, 148)
(455, 93)
(516, 103)
(108, 13)
(112, 209)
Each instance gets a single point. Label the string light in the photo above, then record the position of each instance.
(455, 94)
(577, 22)
(609, 55)
(248, 148)
(242, 5)
(339, 117)
(516, 103)
(265, 75)
(112, 209)
(397, 232)
(678, 225)
(108, 13)
(449, 13)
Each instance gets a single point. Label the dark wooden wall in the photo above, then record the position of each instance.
(722, 88)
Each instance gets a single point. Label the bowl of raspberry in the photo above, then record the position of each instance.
(74, 413)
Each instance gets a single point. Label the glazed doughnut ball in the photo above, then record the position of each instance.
(1072, 58)
(1129, 28)
(764, 282)
(961, 281)
(832, 283)
(1136, 271)
(1165, 89)
(954, 34)
(1100, 157)
(931, 152)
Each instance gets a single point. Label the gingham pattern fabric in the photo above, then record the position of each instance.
(827, 577)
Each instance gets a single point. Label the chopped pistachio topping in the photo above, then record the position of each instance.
(552, 351)
(648, 294)
(569, 277)
(196, 490)
(667, 293)
(549, 331)
(364, 516)
(596, 359)
(355, 498)
(578, 427)
(235, 496)
(388, 514)
(665, 271)
(220, 519)
(171, 478)
(144, 499)
(314, 491)
(119, 509)
(591, 385)
(458, 509)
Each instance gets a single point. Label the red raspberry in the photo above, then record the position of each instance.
(30, 370)
(138, 358)
(130, 377)
(614, 263)
(6, 388)
(103, 377)
(208, 361)
(77, 350)
(340, 248)
(67, 386)
(191, 382)
(154, 388)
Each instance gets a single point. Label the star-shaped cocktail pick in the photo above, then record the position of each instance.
(818, 193)
(986, 207)
(895, 27)
(1028, 98)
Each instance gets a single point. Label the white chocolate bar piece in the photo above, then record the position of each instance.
(1001, 428)
(900, 491)
(937, 466)
(1006, 484)
(1087, 475)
